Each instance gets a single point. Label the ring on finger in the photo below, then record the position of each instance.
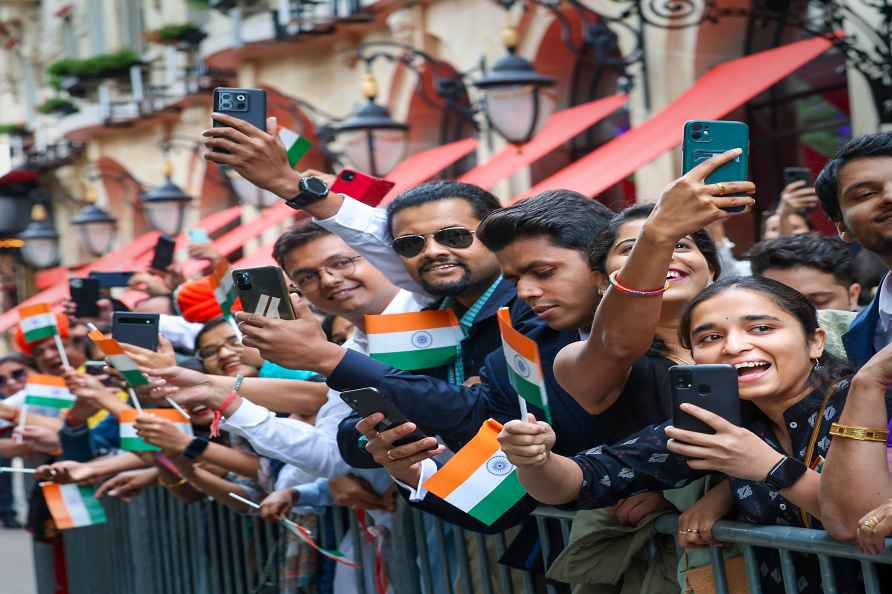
(870, 523)
(390, 456)
(690, 531)
(721, 189)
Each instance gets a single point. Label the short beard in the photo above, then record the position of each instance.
(449, 289)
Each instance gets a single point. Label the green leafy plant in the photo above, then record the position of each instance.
(57, 105)
(101, 66)
(14, 129)
(183, 33)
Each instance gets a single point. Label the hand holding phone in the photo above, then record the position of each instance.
(140, 329)
(162, 257)
(368, 401)
(703, 139)
(711, 387)
(363, 187)
(245, 104)
(262, 291)
(85, 295)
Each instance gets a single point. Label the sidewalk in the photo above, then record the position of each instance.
(16, 564)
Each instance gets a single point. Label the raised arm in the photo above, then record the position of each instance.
(624, 324)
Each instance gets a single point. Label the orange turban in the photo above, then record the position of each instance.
(196, 303)
(61, 322)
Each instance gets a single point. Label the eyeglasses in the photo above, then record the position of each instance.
(308, 280)
(211, 351)
(17, 375)
(409, 246)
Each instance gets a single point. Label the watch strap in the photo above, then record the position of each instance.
(785, 473)
(196, 448)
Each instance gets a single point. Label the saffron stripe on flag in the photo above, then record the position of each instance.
(467, 460)
(408, 322)
(73, 506)
(52, 493)
(521, 344)
(26, 311)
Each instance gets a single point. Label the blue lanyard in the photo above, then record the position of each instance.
(457, 370)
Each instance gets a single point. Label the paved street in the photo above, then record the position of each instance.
(15, 562)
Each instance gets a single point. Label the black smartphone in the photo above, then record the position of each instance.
(712, 387)
(163, 254)
(140, 329)
(85, 295)
(794, 174)
(95, 367)
(368, 401)
(107, 280)
(263, 291)
(245, 104)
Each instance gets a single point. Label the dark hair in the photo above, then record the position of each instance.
(480, 200)
(20, 358)
(208, 326)
(869, 270)
(607, 237)
(568, 218)
(831, 368)
(768, 215)
(827, 254)
(827, 183)
(297, 236)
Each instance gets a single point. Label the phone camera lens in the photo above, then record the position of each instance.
(243, 280)
(696, 135)
(683, 380)
(241, 106)
(240, 97)
(349, 176)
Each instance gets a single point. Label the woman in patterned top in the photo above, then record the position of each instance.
(770, 333)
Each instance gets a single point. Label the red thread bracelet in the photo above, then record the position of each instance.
(637, 293)
(218, 414)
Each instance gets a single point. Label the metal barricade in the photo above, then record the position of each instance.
(158, 545)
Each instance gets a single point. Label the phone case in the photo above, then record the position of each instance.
(245, 104)
(85, 294)
(108, 280)
(140, 329)
(361, 186)
(263, 291)
(162, 257)
(368, 401)
(712, 387)
(705, 138)
(793, 174)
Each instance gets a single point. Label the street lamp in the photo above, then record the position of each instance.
(41, 248)
(371, 139)
(97, 228)
(165, 206)
(515, 96)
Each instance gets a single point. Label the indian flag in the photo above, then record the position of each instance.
(73, 506)
(118, 359)
(296, 145)
(48, 390)
(132, 442)
(224, 287)
(418, 340)
(479, 479)
(38, 322)
(524, 365)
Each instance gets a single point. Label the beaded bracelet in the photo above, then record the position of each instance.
(859, 433)
(637, 293)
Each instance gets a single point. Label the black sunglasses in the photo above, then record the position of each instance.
(18, 375)
(409, 246)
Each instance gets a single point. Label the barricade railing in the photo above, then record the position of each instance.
(158, 545)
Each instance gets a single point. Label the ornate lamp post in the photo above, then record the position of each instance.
(165, 206)
(41, 247)
(97, 228)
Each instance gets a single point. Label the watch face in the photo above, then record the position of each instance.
(315, 185)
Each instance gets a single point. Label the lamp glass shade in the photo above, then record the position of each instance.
(98, 237)
(165, 216)
(513, 110)
(41, 252)
(375, 151)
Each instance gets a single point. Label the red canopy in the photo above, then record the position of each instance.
(422, 166)
(560, 128)
(720, 91)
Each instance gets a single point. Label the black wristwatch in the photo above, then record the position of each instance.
(312, 189)
(196, 448)
(784, 474)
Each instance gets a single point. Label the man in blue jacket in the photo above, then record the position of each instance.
(855, 189)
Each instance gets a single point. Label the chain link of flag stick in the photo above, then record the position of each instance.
(304, 535)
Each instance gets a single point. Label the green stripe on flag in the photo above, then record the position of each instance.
(135, 377)
(49, 401)
(417, 359)
(136, 444)
(94, 508)
(297, 150)
(40, 333)
(499, 500)
(528, 391)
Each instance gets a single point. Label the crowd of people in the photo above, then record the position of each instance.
(612, 300)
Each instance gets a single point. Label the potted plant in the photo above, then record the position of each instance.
(17, 129)
(78, 76)
(57, 105)
(185, 34)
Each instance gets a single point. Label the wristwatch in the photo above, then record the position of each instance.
(784, 474)
(196, 448)
(312, 189)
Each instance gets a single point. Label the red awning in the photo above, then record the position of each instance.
(560, 128)
(422, 166)
(211, 223)
(720, 91)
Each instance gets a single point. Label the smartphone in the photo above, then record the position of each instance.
(140, 329)
(263, 291)
(713, 387)
(361, 186)
(162, 257)
(85, 294)
(198, 237)
(368, 401)
(108, 280)
(245, 104)
(795, 174)
(705, 138)
(95, 367)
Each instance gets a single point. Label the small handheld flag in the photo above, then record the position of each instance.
(38, 322)
(417, 340)
(524, 366)
(224, 287)
(118, 359)
(132, 442)
(73, 506)
(479, 479)
(295, 144)
(49, 391)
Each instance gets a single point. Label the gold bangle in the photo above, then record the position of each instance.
(880, 435)
(167, 485)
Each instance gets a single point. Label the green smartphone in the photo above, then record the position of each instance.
(705, 138)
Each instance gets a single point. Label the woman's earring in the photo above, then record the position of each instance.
(817, 365)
